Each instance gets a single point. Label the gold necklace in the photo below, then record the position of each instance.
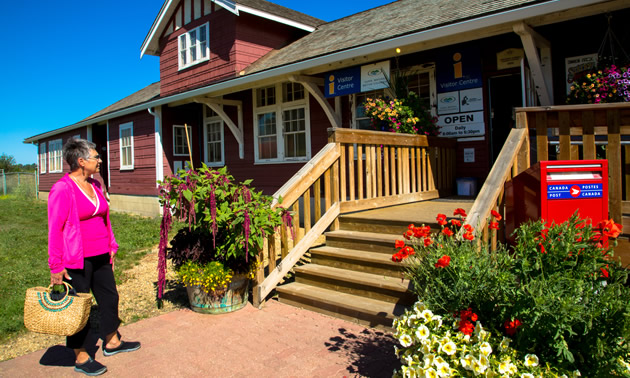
(92, 197)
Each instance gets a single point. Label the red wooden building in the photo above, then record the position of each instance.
(251, 81)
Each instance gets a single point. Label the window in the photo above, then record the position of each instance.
(213, 139)
(180, 147)
(54, 156)
(193, 47)
(126, 145)
(42, 158)
(282, 127)
(361, 121)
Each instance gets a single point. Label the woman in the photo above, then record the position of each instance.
(82, 247)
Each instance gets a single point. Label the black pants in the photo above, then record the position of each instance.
(97, 275)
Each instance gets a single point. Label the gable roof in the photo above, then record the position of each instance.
(396, 19)
(261, 8)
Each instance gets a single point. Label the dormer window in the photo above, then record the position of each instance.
(193, 47)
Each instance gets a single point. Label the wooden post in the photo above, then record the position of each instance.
(541, 136)
(386, 170)
(342, 174)
(351, 172)
(379, 171)
(317, 194)
(335, 192)
(360, 171)
(588, 134)
(565, 135)
(613, 153)
(307, 210)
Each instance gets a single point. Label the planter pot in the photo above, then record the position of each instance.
(233, 298)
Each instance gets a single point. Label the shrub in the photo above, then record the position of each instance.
(557, 293)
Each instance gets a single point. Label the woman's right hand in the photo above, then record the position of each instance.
(57, 278)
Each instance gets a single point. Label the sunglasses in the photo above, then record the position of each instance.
(97, 157)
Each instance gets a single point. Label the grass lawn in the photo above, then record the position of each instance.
(24, 252)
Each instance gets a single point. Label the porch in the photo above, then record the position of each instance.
(395, 180)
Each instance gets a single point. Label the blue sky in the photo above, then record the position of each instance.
(65, 60)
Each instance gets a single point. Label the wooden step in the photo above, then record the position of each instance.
(356, 222)
(366, 311)
(367, 285)
(365, 241)
(352, 259)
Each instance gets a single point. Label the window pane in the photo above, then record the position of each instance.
(266, 96)
(293, 92)
(267, 124)
(214, 142)
(294, 133)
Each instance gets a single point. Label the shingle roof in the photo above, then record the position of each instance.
(145, 94)
(388, 21)
(279, 10)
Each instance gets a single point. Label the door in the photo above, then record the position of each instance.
(505, 95)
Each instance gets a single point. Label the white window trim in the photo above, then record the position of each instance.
(208, 120)
(42, 158)
(191, 63)
(278, 108)
(189, 139)
(121, 127)
(53, 154)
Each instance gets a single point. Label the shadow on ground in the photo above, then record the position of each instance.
(371, 352)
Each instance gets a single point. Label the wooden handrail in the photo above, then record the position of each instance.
(501, 171)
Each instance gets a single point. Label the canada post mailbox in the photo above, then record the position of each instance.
(554, 190)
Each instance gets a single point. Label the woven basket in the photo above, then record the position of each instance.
(64, 317)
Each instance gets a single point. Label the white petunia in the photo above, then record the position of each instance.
(466, 361)
(483, 361)
(485, 348)
(405, 340)
(477, 367)
(531, 360)
(419, 307)
(505, 343)
(427, 315)
(527, 375)
(444, 370)
(449, 348)
(428, 360)
(422, 332)
(411, 320)
(430, 373)
(426, 348)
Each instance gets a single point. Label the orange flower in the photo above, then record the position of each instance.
(469, 236)
(456, 222)
(447, 231)
(399, 244)
(441, 219)
(493, 226)
(496, 215)
(609, 228)
(468, 228)
(427, 242)
(443, 262)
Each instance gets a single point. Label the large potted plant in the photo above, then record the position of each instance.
(217, 253)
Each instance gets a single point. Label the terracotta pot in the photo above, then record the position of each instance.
(233, 298)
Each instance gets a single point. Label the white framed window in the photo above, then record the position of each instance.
(54, 156)
(42, 158)
(213, 142)
(281, 124)
(180, 147)
(193, 46)
(421, 80)
(125, 134)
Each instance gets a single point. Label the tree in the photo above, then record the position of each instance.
(7, 162)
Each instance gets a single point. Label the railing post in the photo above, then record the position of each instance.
(613, 152)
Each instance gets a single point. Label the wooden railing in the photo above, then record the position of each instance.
(567, 132)
(356, 170)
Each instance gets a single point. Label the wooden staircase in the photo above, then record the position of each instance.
(353, 277)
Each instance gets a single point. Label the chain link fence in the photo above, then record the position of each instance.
(22, 184)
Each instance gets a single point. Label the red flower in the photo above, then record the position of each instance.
(511, 326)
(496, 215)
(605, 273)
(543, 233)
(409, 251)
(468, 228)
(421, 232)
(441, 219)
(542, 248)
(456, 222)
(397, 257)
(447, 231)
(494, 225)
(427, 242)
(408, 234)
(609, 228)
(460, 211)
(443, 262)
(469, 236)
(399, 244)
(466, 327)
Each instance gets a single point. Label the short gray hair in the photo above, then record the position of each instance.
(75, 149)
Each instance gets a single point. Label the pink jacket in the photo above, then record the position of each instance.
(65, 244)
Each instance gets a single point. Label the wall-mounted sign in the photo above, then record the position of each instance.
(578, 66)
(459, 69)
(469, 155)
(471, 100)
(461, 125)
(509, 58)
(357, 79)
(448, 102)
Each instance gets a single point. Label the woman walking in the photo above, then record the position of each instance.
(82, 248)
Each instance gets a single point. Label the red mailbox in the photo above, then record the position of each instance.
(554, 190)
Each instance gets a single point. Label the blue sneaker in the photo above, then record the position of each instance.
(90, 367)
(125, 346)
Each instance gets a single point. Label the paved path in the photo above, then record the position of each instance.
(277, 341)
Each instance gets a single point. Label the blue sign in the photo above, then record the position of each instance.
(459, 69)
(574, 191)
(343, 82)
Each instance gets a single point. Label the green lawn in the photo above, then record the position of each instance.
(24, 252)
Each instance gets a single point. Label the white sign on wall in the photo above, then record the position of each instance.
(463, 131)
(448, 102)
(374, 76)
(471, 100)
(469, 155)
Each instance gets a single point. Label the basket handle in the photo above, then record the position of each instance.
(68, 287)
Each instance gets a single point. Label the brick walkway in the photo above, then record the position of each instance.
(277, 341)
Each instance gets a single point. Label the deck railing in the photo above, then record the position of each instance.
(567, 132)
(356, 170)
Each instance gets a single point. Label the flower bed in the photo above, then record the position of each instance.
(557, 297)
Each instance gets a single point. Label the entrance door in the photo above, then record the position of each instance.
(505, 95)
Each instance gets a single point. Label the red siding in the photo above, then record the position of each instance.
(141, 179)
(46, 180)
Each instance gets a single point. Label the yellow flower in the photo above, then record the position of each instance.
(531, 360)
